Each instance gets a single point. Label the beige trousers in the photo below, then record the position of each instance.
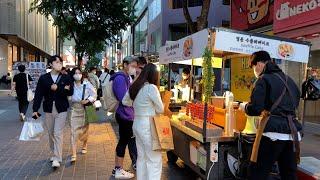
(55, 123)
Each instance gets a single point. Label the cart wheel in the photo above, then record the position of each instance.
(172, 158)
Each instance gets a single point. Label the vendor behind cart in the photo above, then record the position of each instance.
(275, 97)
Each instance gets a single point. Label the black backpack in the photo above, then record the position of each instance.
(311, 89)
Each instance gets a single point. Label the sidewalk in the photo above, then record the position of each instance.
(30, 160)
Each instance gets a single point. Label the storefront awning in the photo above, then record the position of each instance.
(18, 41)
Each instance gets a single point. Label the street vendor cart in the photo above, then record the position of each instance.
(207, 133)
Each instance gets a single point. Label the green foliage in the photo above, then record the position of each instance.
(93, 62)
(207, 74)
(90, 23)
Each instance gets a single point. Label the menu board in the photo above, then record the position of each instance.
(34, 69)
(242, 79)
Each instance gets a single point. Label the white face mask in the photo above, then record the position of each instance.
(256, 73)
(132, 71)
(77, 77)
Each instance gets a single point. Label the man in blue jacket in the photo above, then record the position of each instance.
(54, 88)
(124, 116)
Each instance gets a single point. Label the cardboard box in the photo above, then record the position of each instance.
(217, 101)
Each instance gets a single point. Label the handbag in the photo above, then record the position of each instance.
(161, 132)
(30, 94)
(90, 110)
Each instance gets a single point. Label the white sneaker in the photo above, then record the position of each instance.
(22, 117)
(84, 151)
(122, 174)
(55, 164)
(73, 158)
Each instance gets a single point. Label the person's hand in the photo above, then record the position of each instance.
(84, 102)
(67, 87)
(54, 87)
(242, 106)
(35, 114)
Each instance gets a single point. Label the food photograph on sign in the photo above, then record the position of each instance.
(285, 51)
(187, 48)
(251, 14)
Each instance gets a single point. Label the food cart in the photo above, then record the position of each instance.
(205, 133)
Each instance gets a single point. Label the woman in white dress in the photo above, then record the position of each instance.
(84, 93)
(145, 98)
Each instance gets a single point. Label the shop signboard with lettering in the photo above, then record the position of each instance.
(293, 14)
(248, 43)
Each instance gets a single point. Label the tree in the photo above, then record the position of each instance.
(202, 20)
(90, 23)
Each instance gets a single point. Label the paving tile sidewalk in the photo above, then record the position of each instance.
(30, 160)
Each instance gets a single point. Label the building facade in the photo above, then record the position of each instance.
(24, 36)
(299, 19)
(159, 21)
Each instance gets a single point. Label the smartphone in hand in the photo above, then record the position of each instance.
(35, 117)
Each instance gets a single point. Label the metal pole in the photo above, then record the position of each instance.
(304, 101)
(191, 78)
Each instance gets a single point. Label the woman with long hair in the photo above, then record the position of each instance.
(145, 98)
(84, 93)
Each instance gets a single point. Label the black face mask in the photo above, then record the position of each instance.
(132, 76)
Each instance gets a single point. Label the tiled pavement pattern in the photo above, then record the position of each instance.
(30, 160)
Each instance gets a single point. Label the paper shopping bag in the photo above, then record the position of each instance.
(164, 132)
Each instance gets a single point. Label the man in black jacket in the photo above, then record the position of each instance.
(280, 134)
(54, 87)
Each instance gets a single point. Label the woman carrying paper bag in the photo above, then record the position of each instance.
(145, 98)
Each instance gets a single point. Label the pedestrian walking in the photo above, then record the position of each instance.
(83, 94)
(124, 117)
(145, 98)
(104, 79)
(275, 96)
(93, 78)
(20, 85)
(54, 88)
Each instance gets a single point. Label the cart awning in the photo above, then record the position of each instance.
(184, 49)
(228, 40)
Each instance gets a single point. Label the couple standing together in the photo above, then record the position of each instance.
(137, 103)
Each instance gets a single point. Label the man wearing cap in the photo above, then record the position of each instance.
(275, 97)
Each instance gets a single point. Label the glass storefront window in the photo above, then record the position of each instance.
(154, 9)
(138, 7)
(140, 34)
(155, 41)
(15, 54)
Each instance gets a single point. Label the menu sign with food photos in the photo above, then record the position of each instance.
(184, 49)
(36, 69)
(248, 44)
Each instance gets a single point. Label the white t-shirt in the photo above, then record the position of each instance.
(54, 77)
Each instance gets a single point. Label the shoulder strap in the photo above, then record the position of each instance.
(28, 81)
(276, 104)
(105, 77)
(83, 91)
(58, 79)
(287, 87)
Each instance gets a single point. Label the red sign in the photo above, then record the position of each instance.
(293, 14)
(251, 14)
